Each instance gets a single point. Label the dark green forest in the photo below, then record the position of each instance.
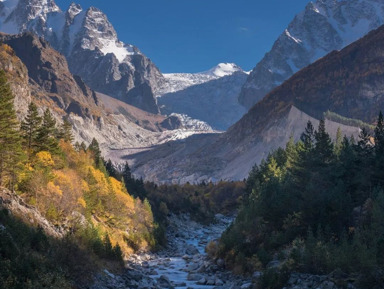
(316, 206)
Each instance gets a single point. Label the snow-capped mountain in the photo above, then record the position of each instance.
(324, 26)
(349, 83)
(210, 96)
(91, 46)
(40, 74)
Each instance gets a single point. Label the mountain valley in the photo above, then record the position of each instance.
(115, 175)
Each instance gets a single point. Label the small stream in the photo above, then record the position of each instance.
(184, 263)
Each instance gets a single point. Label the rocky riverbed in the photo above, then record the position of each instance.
(183, 264)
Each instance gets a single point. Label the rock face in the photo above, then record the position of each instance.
(40, 74)
(324, 26)
(90, 44)
(48, 71)
(27, 213)
(210, 96)
(349, 83)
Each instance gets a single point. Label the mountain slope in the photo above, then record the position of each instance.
(324, 26)
(90, 44)
(210, 96)
(349, 83)
(40, 74)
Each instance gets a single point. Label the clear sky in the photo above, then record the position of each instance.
(195, 35)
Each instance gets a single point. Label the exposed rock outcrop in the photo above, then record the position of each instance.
(91, 46)
(27, 213)
(324, 26)
(44, 78)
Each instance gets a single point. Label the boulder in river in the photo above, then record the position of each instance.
(191, 250)
(164, 282)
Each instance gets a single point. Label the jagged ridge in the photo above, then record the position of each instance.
(324, 26)
(349, 83)
(92, 48)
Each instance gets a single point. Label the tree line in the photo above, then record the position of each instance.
(315, 206)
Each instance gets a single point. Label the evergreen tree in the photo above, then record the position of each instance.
(308, 137)
(302, 165)
(95, 150)
(111, 169)
(291, 152)
(338, 142)
(127, 175)
(323, 146)
(10, 138)
(47, 134)
(30, 127)
(379, 136)
(379, 151)
(66, 131)
(80, 146)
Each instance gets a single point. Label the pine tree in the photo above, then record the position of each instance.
(379, 136)
(111, 169)
(308, 137)
(94, 148)
(302, 166)
(338, 142)
(48, 134)
(323, 146)
(291, 151)
(10, 138)
(30, 127)
(127, 175)
(379, 151)
(66, 131)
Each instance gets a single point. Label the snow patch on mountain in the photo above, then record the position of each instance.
(91, 46)
(324, 26)
(223, 69)
(117, 48)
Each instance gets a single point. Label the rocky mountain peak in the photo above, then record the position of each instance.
(324, 26)
(32, 9)
(91, 46)
(73, 10)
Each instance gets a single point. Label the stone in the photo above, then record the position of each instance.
(180, 284)
(220, 263)
(153, 272)
(219, 282)
(193, 267)
(191, 250)
(246, 286)
(257, 275)
(273, 264)
(164, 282)
(202, 281)
(193, 277)
(211, 282)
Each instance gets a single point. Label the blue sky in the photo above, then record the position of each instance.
(193, 36)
